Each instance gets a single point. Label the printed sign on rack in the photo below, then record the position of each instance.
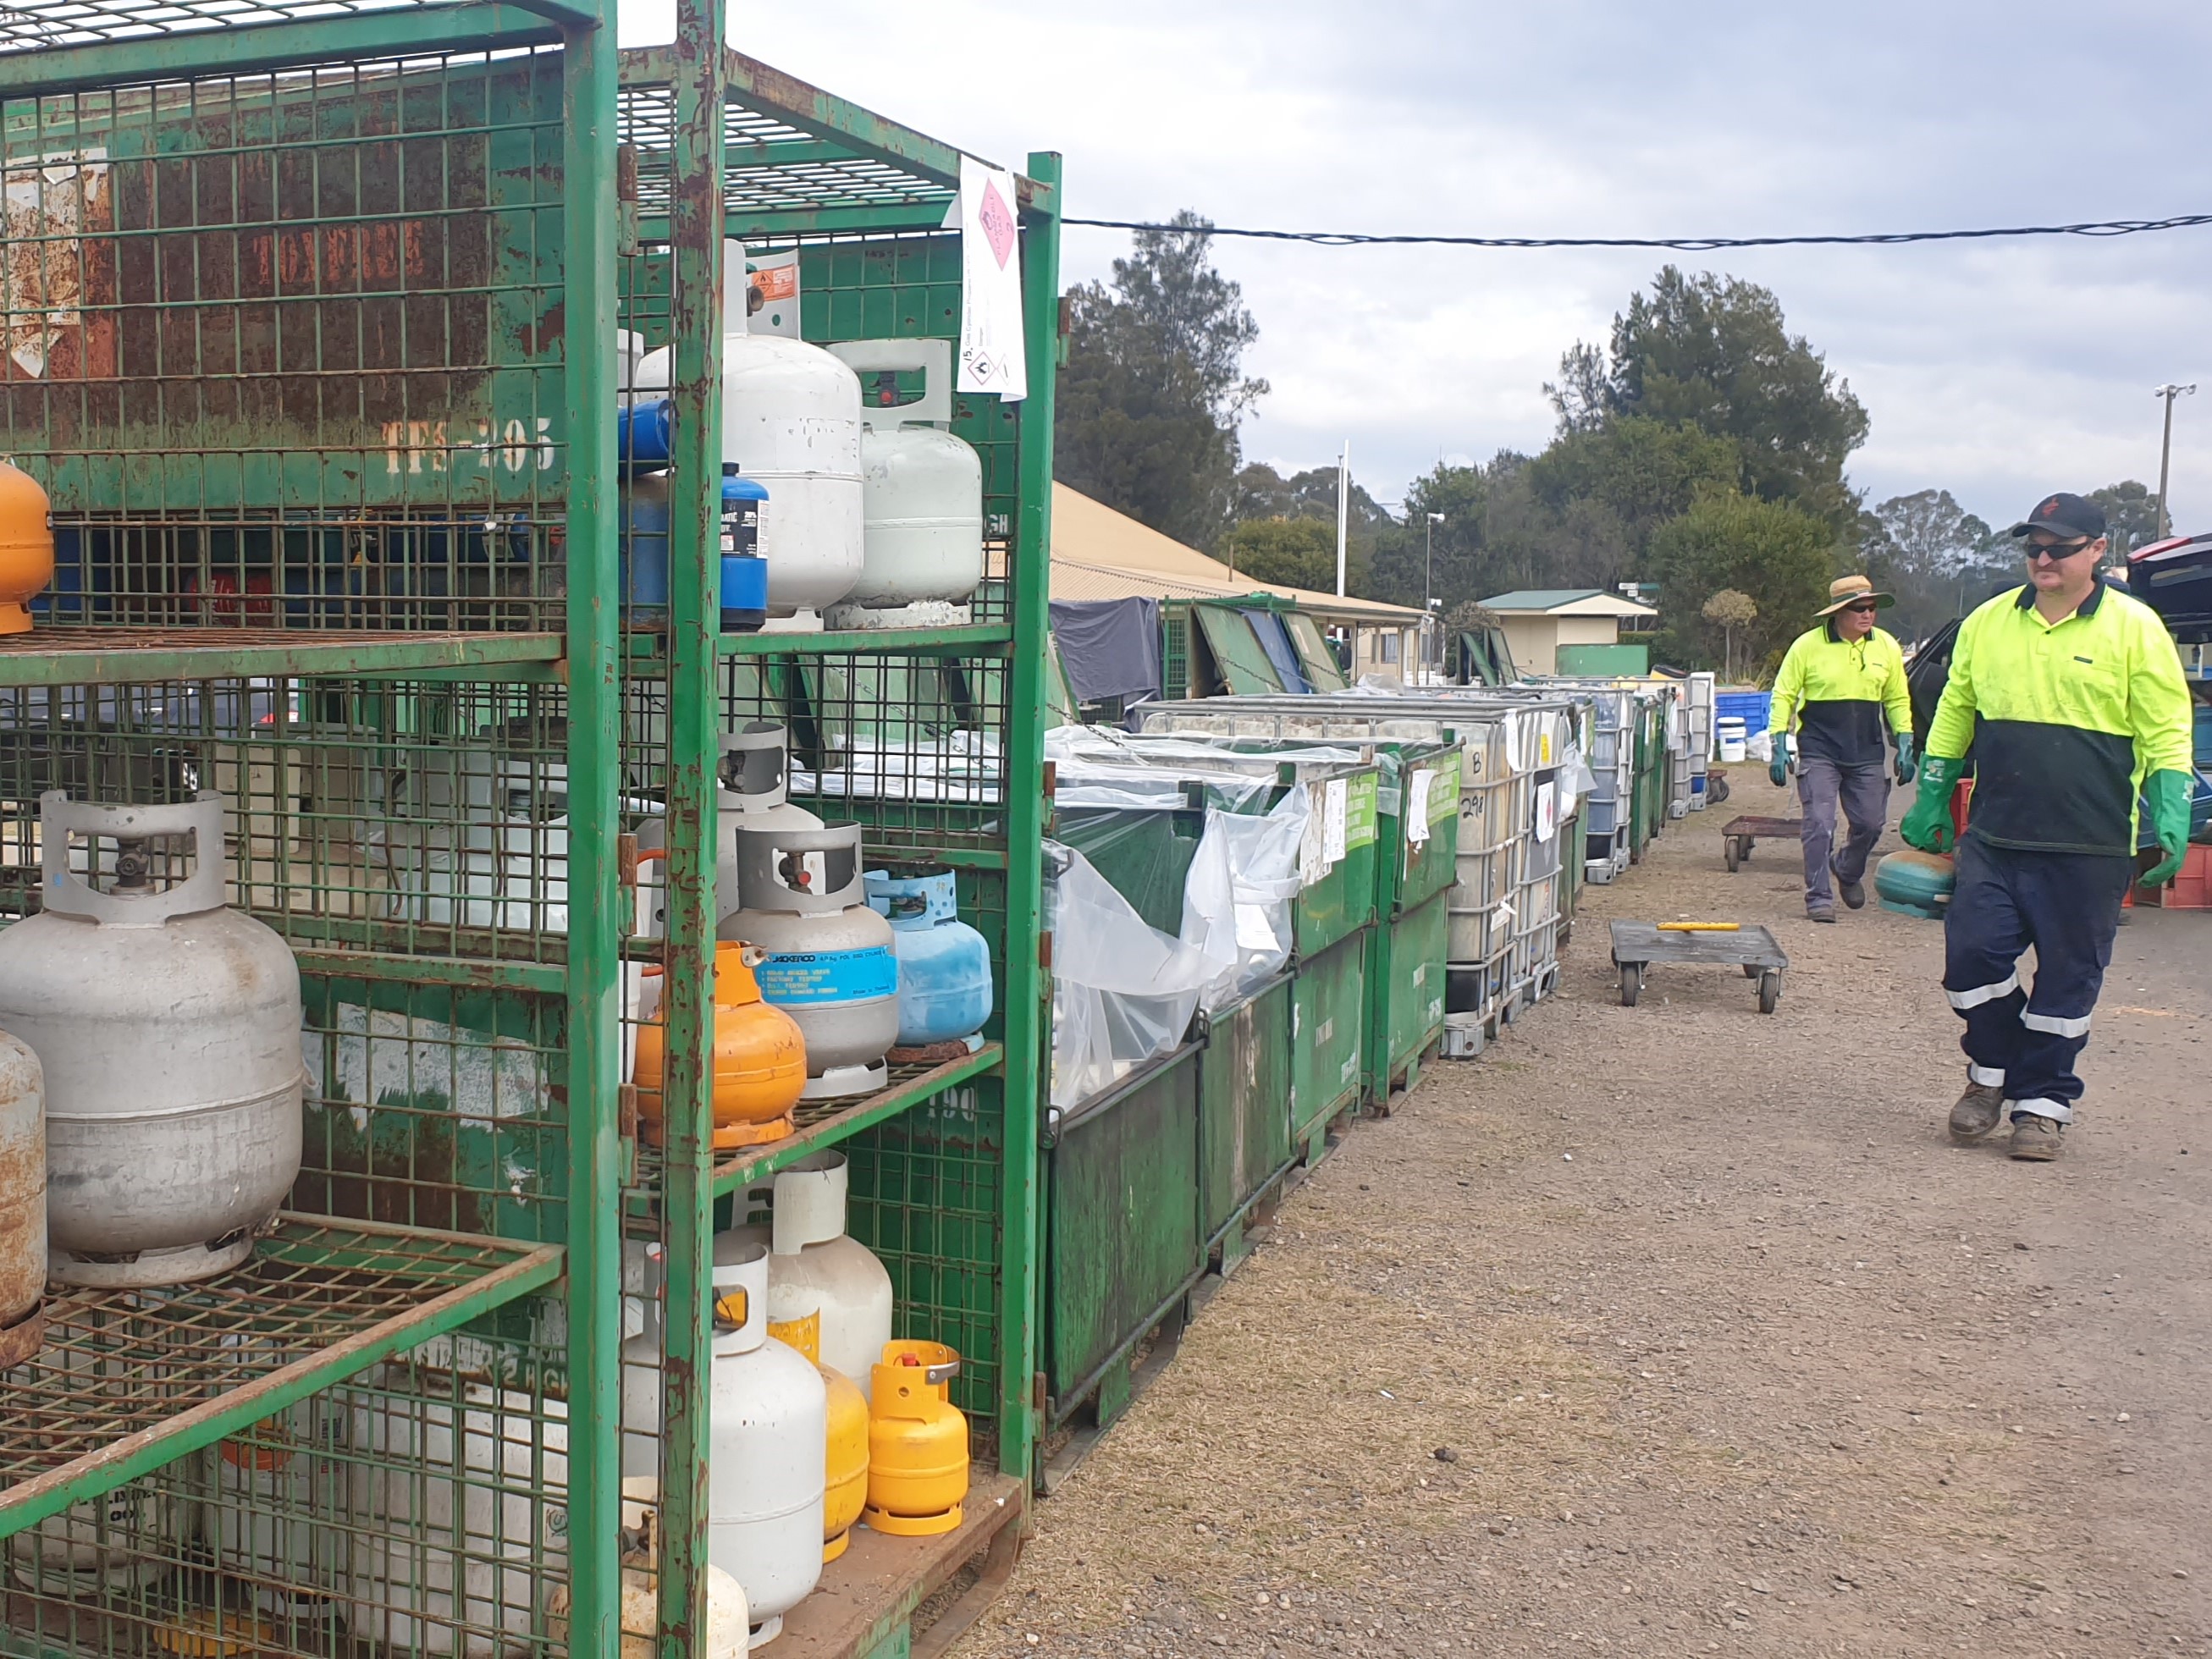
(1417, 809)
(993, 356)
(1312, 866)
(1362, 810)
(1334, 800)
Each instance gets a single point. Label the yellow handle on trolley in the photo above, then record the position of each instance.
(1700, 927)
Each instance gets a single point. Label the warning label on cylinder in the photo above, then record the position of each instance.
(829, 975)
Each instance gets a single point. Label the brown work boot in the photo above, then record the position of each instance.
(1977, 1111)
(1820, 913)
(2037, 1140)
(1853, 893)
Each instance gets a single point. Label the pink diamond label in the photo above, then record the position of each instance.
(998, 222)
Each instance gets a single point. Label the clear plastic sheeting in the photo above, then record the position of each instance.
(1575, 779)
(1237, 903)
(961, 766)
(1123, 992)
(1098, 767)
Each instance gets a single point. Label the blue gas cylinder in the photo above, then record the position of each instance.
(744, 573)
(645, 551)
(944, 964)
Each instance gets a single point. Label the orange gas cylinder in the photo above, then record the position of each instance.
(846, 1473)
(27, 547)
(917, 1441)
(760, 1059)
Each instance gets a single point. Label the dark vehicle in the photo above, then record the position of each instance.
(2174, 578)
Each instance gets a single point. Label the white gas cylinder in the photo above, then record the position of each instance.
(765, 1474)
(272, 1517)
(791, 420)
(167, 1028)
(727, 1630)
(751, 792)
(811, 1256)
(458, 1530)
(921, 488)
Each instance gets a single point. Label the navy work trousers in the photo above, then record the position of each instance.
(2067, 905)
(1862, 792)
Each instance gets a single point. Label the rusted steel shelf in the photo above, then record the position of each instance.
(868, 1597)
(824, 1123)
(967, 640)
(127, 1381)
(99, 655)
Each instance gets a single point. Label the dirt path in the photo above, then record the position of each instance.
(1674, 1330)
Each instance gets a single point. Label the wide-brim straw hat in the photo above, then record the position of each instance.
(1848, 590)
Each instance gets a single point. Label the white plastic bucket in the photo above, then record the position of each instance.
(1730, 732)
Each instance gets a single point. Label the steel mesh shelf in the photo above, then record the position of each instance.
(30, 25)
(824, 1123)
(129, 1380)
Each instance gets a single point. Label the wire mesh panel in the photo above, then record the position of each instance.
(417, 1512)
(435, 1106)
(772, 167)
(43, 25)
(286, 350)
(420, 818)
(903, 287)
(926, 1197)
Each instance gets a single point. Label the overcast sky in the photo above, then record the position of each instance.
(1998, 371)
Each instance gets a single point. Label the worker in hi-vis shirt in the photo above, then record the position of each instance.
(2070, 694)
(1842, 687)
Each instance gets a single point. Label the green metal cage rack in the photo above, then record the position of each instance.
(310, 317)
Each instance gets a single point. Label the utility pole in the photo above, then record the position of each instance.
(2164, 456)
(1343, 508)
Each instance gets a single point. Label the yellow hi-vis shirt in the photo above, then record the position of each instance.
(2066, 719)
(1837, 693)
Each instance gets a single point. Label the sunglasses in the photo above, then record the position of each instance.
(1868, 608)
(2058, 550)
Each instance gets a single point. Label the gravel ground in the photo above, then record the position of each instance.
(1676, 1329)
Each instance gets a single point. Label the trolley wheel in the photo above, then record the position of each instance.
(1631, 981)
(1749, 842)
(1732, 853)
(1770, 990)
(1753, 970)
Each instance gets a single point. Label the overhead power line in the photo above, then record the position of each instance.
(1678, 244)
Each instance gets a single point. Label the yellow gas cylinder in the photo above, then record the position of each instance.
(917, 1441)
(846, 1473)
(27, 547)
(760, 1058)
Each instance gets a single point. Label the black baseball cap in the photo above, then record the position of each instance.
(2065, 516)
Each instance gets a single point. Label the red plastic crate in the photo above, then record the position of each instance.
(2192, 889)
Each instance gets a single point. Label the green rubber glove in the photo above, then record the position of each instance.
(1905, 757)
(2168, 794)
(1777, 767)
(1928, 823)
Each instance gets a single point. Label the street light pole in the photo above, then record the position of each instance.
(1343, 508)
(2166, 453)
(1428, 565)
(1429, 555)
